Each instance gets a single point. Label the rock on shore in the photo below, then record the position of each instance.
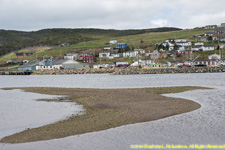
(130, 70)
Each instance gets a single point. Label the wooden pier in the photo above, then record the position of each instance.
(15, 72)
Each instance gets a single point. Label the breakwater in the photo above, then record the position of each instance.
(131, 70)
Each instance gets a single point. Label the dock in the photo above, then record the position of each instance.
(15, 72)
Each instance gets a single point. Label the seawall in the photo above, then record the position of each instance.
(130, 70)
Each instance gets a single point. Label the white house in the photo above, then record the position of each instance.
(130, 54)
(113, 41)
(203, 48)
(209, 34)
(180, 40)
(207, 48)
(171, 44)
(141, 51)
(199, 44)
(103, 66)
(214, 56)
(181, 47)
(50, 65)
(104, 55)
(71, 56)
(196, 49)
(117, 55)
(169, 40)
(107, 48)
(185, 44)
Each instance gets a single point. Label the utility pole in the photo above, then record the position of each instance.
(138, 56)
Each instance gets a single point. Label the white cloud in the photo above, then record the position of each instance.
(117, 14)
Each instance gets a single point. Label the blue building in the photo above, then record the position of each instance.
(29, 66)
(121, 45)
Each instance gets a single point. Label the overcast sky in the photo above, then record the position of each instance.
(32, 15)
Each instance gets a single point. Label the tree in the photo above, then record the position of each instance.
(209, 38)
(176, 46)
(167, 46)
(218, 47)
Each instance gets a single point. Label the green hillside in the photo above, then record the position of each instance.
(144, 40)
(16, 40)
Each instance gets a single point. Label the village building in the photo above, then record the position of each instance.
(50, 64)
(211, 62)
(65, 44)
(103, 66)
(184, 44)
(71, 56)
(199, 44)
(170, 40)
(117, 55)
(214, 56)
(209, 34)
(90, 59)
(104, 55)
(219, 31)
(210, 26)
(121, 45)
(81, 56)
(20, 55)
(180, 40)
(130, 54)
(184, 51)
(29, 66)
(11, 61)
(113, 41)
(203, 48)
(207, 48)
(107, 48)
(153, 54)
(71, 64)
(222, 24)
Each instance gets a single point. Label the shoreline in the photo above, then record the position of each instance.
(119, 71)
(131, 71)
(107, 108)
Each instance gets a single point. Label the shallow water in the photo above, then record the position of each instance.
(19, 110)
(203, 126)
(114, 81)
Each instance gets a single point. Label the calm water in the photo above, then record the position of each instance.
(203, 126)
(114, 81)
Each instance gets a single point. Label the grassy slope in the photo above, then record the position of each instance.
(14, 40)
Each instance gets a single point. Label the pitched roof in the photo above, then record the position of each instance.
(31, 63)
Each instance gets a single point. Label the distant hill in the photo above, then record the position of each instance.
(14, 40)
